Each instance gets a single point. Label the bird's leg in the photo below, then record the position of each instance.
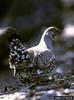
(14, 71)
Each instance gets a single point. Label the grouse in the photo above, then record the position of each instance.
(42, 56)
(35, 63)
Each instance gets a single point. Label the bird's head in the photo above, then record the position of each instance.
(51, 32)
(48, 36)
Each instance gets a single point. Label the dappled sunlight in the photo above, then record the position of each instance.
(68, 31)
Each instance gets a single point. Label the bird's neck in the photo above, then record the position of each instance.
(46, 42)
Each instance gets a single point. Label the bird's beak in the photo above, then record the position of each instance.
(56, 31)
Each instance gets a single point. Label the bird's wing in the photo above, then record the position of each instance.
(45, 58)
